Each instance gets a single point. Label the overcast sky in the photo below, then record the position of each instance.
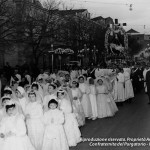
(138, 18)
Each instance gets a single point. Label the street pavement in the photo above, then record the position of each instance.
(131, 125)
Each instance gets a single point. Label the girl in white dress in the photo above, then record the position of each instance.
(76, 93)
(13, 130)
(21, 95)
(103, 106)
(71, 125)
(34, 116)
(3, 102)
(85, 101)
(92, 96)
(51, 95)
(39, 91)
(110, 89)
(128, 86)
(54, 137)
(119, 88)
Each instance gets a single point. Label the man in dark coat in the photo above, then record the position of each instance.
(148, 84)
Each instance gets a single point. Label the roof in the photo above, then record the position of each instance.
(97, 18)
(71, 11)
(132, 31)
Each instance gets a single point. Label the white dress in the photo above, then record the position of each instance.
(35, 124)
(112, 103)
(103, 107)
(1, 116)
(23, 103)
(93, 101)
(54, 137)
(19, 140)
(78, 106)
(71, 125)
(119, 90)
(128, 86)
(85, 101)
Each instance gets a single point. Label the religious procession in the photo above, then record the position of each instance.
(48, 112)
(67, 75)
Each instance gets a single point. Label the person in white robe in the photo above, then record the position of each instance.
(3, 102)
(128, 86)
(85, 101)
(109, 86)
(13, 130)
(22, 98)
(51, 95)
(39, 91)
(54, 136)
(103, 100)
(71, 125)
(119, 87)
(78, 110)
(34, 116)
(93, 100)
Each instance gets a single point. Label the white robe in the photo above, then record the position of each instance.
(128, 86)
(119, 90)
(54, 137)
(93, 100)
(18, 140)
(86, 104)
(35, 124)
(23, 103)
(78, 109)
(71, 125)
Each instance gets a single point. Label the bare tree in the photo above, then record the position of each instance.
(39, 26)
(7, 25)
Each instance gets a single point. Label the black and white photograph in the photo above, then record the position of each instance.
(74, 74)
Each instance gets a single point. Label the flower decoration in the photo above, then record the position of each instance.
(64, 51)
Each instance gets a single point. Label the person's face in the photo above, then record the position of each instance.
(81, 80)
(73, 85)
(52, 106)
(18, 94)
(23, 80)
(50, 89)
(32, 97)
(8, 95)
(34, 88)
(100, 82)
(61, 95)
(4, 102)
(11, 111)
(61, 74)
(67, 77)
(40, 81)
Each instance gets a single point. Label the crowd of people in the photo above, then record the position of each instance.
(46, 112)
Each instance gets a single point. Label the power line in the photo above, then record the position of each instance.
(87, 1)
